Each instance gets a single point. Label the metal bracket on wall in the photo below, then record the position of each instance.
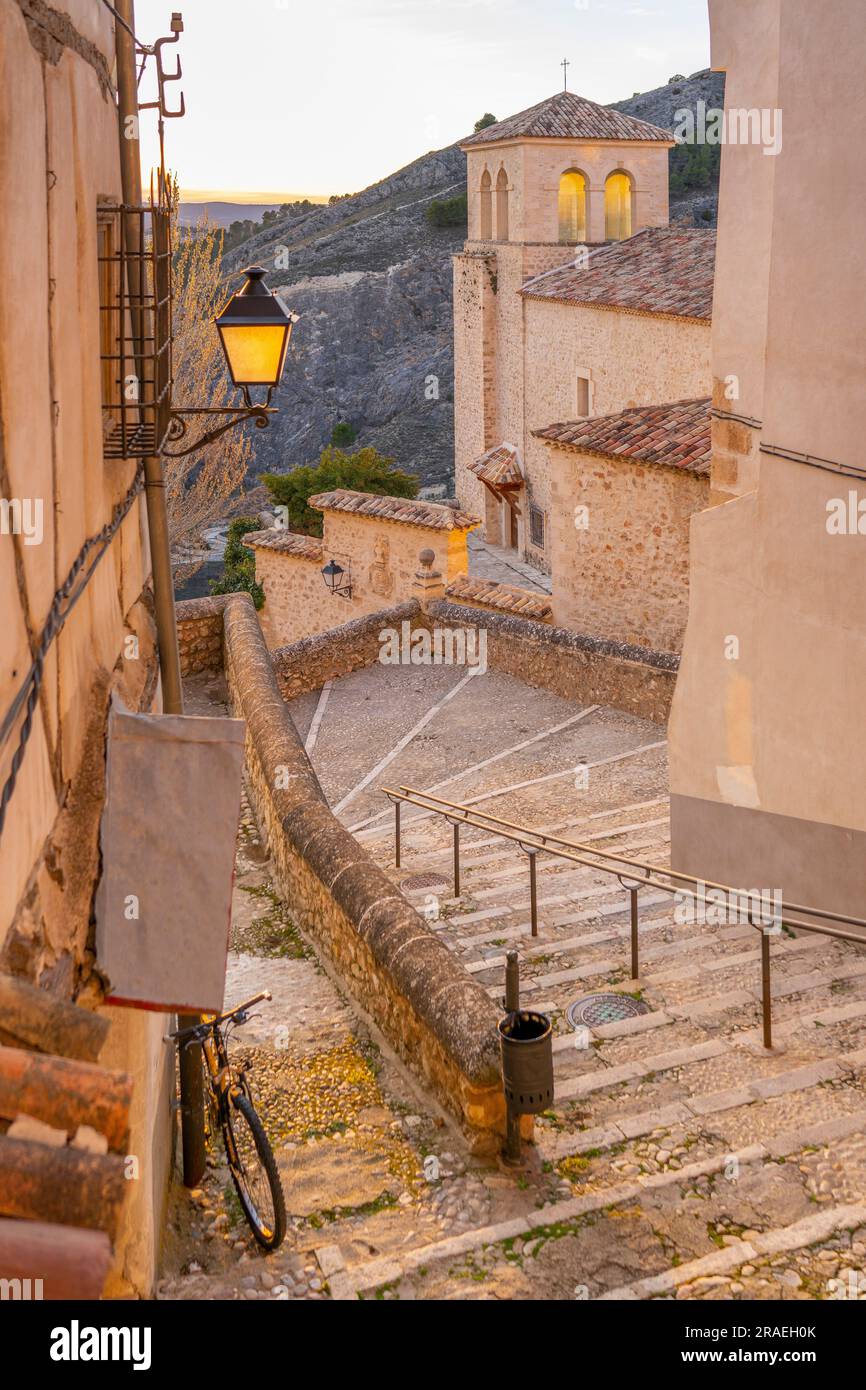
(162, 77)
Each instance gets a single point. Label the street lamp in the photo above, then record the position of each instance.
(254, 327)
(332, 574)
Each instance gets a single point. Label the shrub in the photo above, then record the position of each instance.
(364, 471)
(449, 212)
(343, 433)
(239, 563)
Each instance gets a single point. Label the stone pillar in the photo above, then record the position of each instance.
(428, 584)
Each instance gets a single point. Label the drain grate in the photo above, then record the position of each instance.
(416, 881)
(596, 1009)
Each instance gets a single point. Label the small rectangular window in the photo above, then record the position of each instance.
(582, 396)
(536, 526)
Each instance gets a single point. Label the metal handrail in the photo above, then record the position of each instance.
(534, 841)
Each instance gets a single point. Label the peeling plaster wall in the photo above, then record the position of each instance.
(58, 157)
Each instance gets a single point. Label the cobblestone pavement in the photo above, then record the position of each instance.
(680, 1159)
(504, 566)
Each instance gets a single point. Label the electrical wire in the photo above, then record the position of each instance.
(62, 604)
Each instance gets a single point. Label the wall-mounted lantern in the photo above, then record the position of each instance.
(333, 575)
(254, 327)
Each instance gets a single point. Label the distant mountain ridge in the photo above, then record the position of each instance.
(371, 279)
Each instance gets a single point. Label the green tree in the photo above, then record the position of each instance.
(343, 433)
(239, 563)
(448, 212)
(364, 471)
(487, 119)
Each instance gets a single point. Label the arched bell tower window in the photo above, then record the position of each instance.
(572, 207)
(486, 207)
(502, 206)
(618, 206)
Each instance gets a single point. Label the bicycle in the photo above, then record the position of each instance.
(229, 1106)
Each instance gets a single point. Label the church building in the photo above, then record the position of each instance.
(575, 301)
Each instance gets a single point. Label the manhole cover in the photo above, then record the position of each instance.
(596, 1009)
(416, 881)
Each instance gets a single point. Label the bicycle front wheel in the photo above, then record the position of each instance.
(254, 1172)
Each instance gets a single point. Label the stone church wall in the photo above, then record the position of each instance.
(632, 360)
(625, 574)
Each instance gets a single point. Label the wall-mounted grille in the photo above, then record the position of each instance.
(135, 313)
(536, 526)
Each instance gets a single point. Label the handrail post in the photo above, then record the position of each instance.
(766, 994)
(456, 859)
(512, 983)
(533, 894)
(512, 1153)
(396, 834)
(635, 965)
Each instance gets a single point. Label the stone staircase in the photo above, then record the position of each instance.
(680, 1157)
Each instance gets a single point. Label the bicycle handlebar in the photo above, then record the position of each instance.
(199, 1029)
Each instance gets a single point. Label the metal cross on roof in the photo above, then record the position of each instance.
(565, 65)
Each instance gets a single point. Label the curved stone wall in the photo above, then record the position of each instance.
(440, 1021)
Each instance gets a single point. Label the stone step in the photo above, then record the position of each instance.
(699, 970)
(779, 1241)
(600, 1080)
(698, 1107)
(369, 1275)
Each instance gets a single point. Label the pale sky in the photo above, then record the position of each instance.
(327, 96)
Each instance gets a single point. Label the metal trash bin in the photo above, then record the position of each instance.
(526, 1042)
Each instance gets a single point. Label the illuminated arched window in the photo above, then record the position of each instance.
(572, 207)
(486, 207)
(617, 207)
(502, 206)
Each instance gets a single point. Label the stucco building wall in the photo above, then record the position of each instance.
(625, 574)
(767, 759)
(58, 160)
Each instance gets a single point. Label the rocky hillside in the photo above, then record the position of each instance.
(371, 279)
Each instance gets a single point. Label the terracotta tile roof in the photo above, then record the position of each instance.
(567, 115)
(504, 597)
(676, 436)
(661, 270)
(407, 509)
(288, 542)
(500, 467)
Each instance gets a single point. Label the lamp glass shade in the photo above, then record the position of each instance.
(255, 352)
(254, 329)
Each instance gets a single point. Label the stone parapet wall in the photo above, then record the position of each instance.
(324, 656)
(440, 1021)
(200, 634)
(594, 670)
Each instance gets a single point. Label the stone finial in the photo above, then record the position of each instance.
(429, 583)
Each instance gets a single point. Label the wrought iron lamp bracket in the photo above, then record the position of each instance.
(237, 415)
